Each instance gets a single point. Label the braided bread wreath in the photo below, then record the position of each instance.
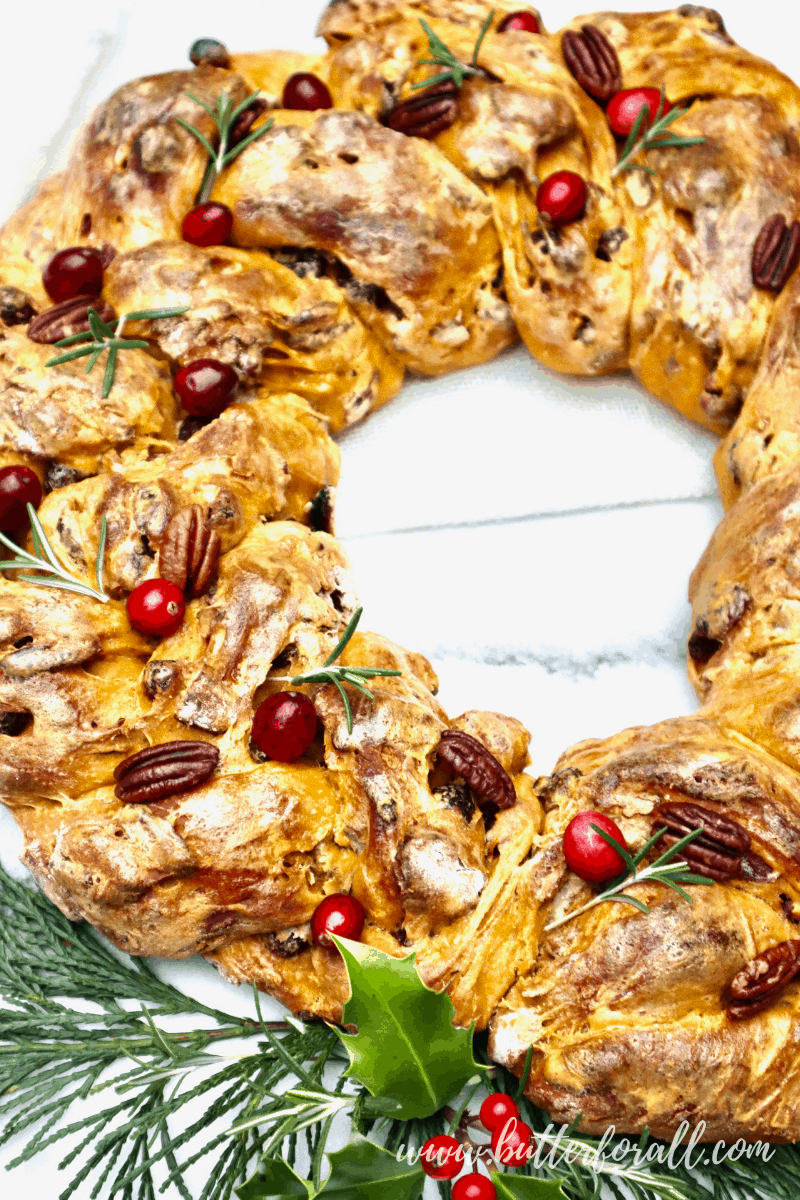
(360, 251)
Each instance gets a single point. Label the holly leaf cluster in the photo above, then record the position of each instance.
(361, 1171)
(407, 1047)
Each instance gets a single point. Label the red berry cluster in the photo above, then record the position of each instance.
(443, 1156)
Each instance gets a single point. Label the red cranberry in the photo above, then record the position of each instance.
(156, 607)
(208, 224)
(339, 914)
(19, 486)
(473, 1187)
(205, 386)
(77, 271)
(624, 108)
(442, 1157)
(513, 1144)
(305, 91)
(496, 1110)
(562, 197)
(519, 20)
(285, 725)
(587, 854)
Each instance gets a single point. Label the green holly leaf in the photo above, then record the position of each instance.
(407, 1047)
(516, 1187)
(274, 1177)
(364, 1171)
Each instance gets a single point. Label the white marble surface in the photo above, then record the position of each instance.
(531, 534)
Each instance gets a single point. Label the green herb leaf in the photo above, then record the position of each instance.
(45, 558)
(109, 337)
(663, 870)
(328, 673)
(442, 56)
(406, 1047)
(364, 1171)
(647, 135)
(274, 1178)
(520, 1187)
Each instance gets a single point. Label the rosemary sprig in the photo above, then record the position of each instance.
(442, 56)
(224, 117)
(650, 136)
(45, 559)
(104, 336)
(355, 676)
(663, 870)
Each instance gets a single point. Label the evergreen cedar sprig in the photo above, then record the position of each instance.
(223, 117)
(44, 559)
(663, 870)
(106, 336)
(53, 1056)
(650, 136)
(355, 676)
(442, 56)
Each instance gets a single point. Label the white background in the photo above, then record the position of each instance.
(531, 534)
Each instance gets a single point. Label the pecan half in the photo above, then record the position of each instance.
(189, 552)
(761, 981)
(593, 62)
(718, 853)
(776, 253)
(164, 770)
(428, 113)
(320, 514)
(488, 779)
(71, 316)
(16, 306)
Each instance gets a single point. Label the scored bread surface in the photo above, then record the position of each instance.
(359, 254)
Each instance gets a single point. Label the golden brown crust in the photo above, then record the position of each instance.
(135, 171)
(416, 243)
(59, 413)
(284, 331)
(360, 252)
(621, 1009)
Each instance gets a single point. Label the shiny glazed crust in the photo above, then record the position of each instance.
(359, 253)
